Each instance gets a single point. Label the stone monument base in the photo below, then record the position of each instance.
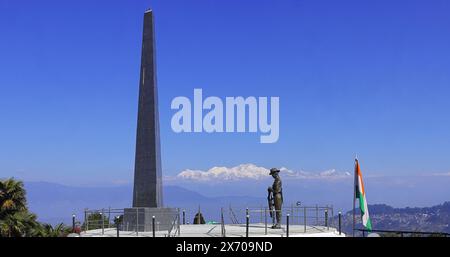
(141, 219)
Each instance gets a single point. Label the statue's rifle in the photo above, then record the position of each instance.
(270, 201)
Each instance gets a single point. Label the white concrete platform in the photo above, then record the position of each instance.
(213, 230)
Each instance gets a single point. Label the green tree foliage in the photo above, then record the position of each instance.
(16, 220)
(18, 224)
(59, 230)
(12, 197)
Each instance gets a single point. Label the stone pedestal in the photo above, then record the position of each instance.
(140, 219)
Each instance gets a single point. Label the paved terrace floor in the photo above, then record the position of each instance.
(212, 230)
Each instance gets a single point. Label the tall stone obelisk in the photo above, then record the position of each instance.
(148, 207)
(147, 170)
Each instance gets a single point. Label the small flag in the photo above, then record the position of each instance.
(361, 195)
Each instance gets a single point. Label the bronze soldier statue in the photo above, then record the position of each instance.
(275, 197)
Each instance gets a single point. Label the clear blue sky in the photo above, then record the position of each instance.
(354, 77)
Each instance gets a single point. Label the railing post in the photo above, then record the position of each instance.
(178, 224)
(304, 218)
(340, 223)
(292, 213)
(247, 225)
(332, 215)
(265, 220)
(109, 216)
(137, 221)
(261, 214)
(326, 219)
(317, 215)
(222, 221)
(103, 223)
(153, 226)
(287, 225)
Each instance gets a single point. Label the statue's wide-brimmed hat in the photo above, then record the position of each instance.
(273, 171)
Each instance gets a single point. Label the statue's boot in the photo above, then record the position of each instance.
(276, 226)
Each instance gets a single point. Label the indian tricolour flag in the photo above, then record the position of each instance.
(360, 194)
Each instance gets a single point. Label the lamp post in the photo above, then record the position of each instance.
(153, 226)
(287, 225)
(73, 223)
(247, 225)
(118, 225)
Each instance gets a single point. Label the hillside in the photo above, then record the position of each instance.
(384, 217)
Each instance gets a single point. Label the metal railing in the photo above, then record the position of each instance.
(175, 226)
(309, 217)
(100, 219)
(103, 221)
(306, 219)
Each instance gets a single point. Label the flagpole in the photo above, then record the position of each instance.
(354, 197)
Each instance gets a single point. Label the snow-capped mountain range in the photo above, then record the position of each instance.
(253, 172)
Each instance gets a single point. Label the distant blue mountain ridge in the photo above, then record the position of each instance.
(54, 203)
